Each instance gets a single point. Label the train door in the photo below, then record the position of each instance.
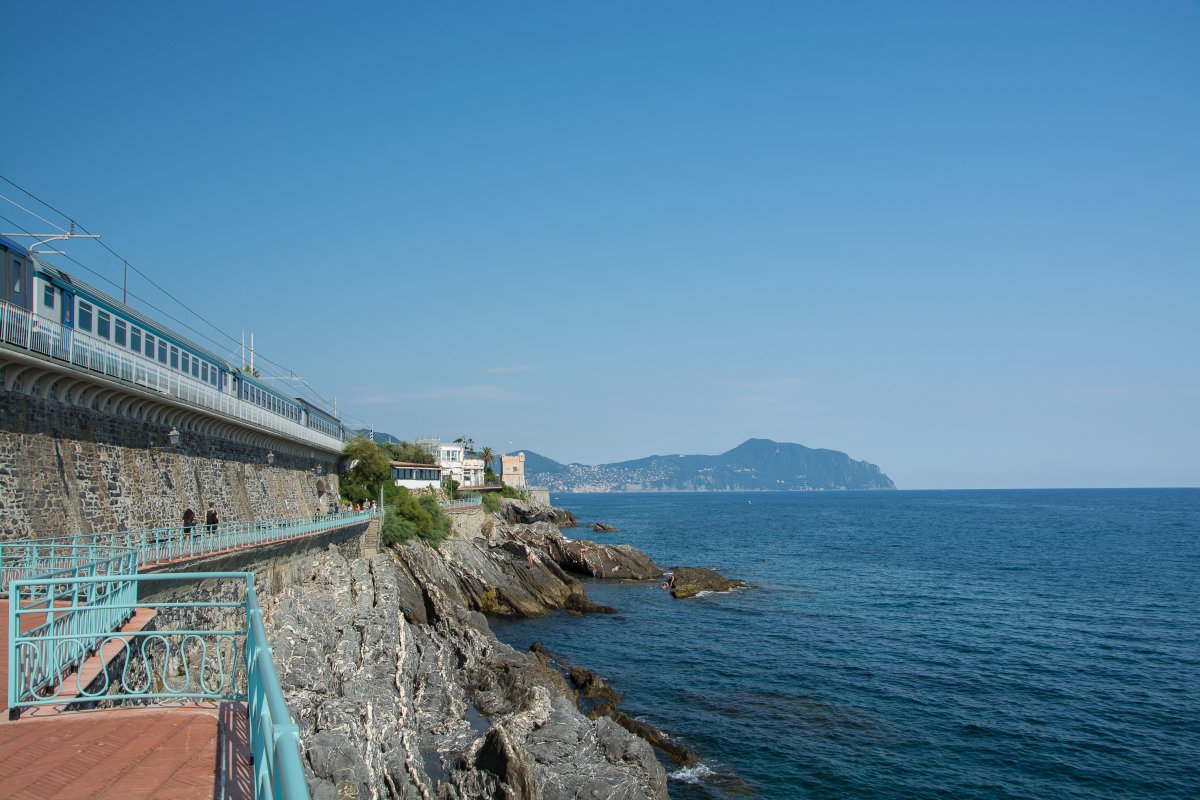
(68, 308)
(68, 323)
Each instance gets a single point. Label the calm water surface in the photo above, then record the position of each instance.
(971, 644)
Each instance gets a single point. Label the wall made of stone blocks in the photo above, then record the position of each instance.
(67, 470)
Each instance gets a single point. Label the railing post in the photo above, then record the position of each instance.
(14, 627)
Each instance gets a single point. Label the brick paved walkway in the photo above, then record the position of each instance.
(181, 752)
(122, 753)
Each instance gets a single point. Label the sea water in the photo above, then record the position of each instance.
(959, 644)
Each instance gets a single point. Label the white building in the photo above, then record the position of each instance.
(473, 470)
(452, 457)
(416, 476)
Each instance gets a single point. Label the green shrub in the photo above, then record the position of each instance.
(411, 515)
(515, 494)
(489, 601)
(492, 502)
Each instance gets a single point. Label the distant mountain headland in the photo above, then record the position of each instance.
(754, 465)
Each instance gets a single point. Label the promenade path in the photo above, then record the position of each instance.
(177, 750)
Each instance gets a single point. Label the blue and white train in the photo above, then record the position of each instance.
(51, 312)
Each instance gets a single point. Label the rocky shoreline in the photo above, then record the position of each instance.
(401, 690)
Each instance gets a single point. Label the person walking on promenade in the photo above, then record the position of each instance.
(211, 520)
(189, 521)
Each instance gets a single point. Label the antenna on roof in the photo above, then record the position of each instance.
(51, 237)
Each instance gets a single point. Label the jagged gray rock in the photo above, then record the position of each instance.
(580, 556)
(401, 690)
(529, 513)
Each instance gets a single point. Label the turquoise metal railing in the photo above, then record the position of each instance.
(35, 557)
(230, 662)
(70, 596)
(274, 738)
(52, 618)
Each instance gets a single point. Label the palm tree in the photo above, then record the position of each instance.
(489, 458)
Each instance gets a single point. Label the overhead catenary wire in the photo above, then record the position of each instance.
(151, 281)
(76, 225)
(114, 284)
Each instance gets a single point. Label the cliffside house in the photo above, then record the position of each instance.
(452, 457)
(416, 476)
(473, 470)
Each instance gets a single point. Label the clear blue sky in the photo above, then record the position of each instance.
(958, 239)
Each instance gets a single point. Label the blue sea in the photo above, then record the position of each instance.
(914, 644)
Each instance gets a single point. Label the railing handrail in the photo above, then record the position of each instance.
(161, 545)
(469, 502)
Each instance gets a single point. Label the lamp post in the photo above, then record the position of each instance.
(173, 437)
(270, 457)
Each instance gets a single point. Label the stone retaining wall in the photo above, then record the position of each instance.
(66, 469)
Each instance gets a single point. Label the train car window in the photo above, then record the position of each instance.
(119, 332)
(204, 371)
(162, 352)
(149, 346)
(195, 367)
(135, 339)
(48, 296)
(186, 360)
(103, 324)
(84, 320)
(174, 357)
(17, 275)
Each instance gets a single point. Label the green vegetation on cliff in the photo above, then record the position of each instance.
(408, 515)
